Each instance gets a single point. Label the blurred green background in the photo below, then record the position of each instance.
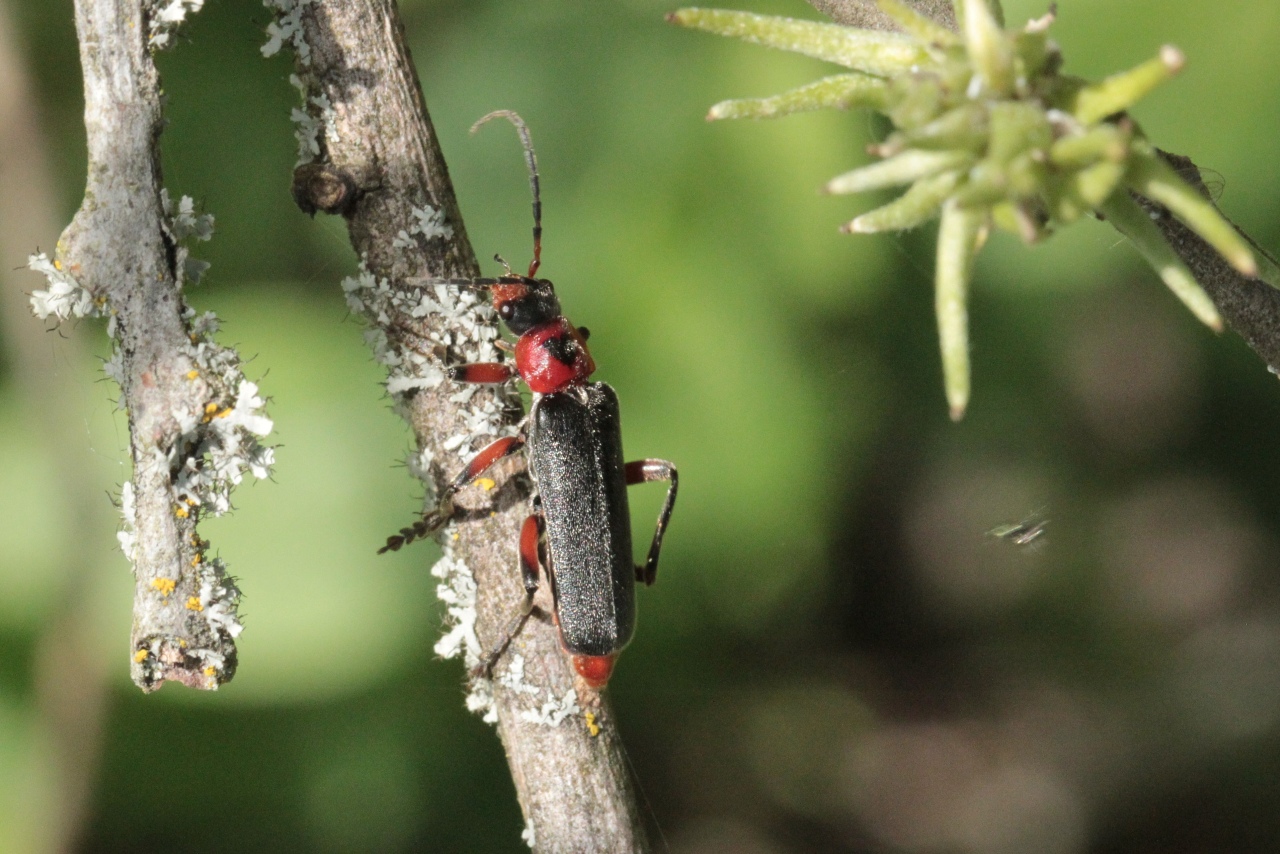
(836, 657)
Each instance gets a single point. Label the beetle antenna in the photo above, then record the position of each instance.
(531, 160)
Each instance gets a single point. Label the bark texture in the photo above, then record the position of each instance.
(376, 152)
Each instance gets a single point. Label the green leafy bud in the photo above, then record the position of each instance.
(988, 131)
(1121, 91)
(870, 52)
(915, 207)
(904, 168)
(840, 91)
(958, 241)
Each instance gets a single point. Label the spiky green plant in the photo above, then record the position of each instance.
(987, 131)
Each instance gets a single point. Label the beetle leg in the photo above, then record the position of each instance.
(481, 372)
(434, 519)
(530, 561)
(646, 471)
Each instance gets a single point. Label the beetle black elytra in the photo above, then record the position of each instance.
(580, 530)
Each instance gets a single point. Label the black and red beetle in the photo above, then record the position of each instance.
(580, 530)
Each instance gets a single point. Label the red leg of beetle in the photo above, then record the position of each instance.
(481, 372)
(645, 471)
(530, 560)
(481, 462)
(530, 536)
(432, 521)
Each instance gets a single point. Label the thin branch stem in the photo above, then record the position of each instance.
(120, 250)
(376, 143)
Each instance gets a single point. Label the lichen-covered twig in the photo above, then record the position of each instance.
(368, 151)
(991, 133)
(194, 420)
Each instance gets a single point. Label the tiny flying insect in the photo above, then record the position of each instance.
(1028, 532)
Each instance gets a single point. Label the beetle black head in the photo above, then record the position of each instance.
(525, 303)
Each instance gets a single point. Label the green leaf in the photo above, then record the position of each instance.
(1157, 180)
(958, 241)
(915, 207)
(1104, 142)
(1095, 101)
(868, 51)
(904, 168)
(989, 49)
(1134, 223)
(840, 91)
(964, 127)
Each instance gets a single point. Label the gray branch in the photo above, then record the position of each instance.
(1250, 306)
(373, 156)
(120, 257)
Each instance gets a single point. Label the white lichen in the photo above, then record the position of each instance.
(65, 298)
(411, 356)
(530, 838)
(183, 224)
(127, 534)
(183, 221)
(166, 17)
(314, 116)
(219, 598)
(458, 593)
(554, 710)
(221, 445)
(512, 677)
(430, 225)
(287, 29)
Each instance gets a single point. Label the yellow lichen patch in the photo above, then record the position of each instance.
(192, 374)
(57, 265)
(195, 560)
(141, 656)
(182, 643)
(181, 512)
(592, 726)
(223, 413)
(210, 671)
(486, 483)
(164, 585)
(193, 603)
